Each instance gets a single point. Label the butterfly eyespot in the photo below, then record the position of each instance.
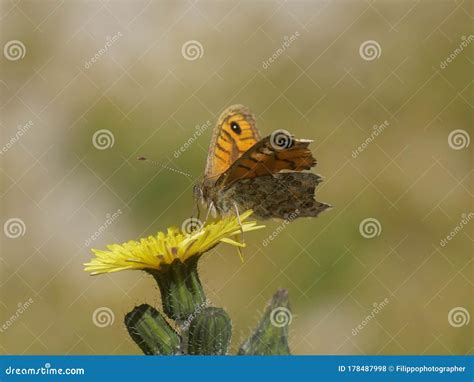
(235, 127)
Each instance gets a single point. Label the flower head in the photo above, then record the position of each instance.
(153, 252)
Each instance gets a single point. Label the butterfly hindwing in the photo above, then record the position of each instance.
(285, 195)
(234, 134)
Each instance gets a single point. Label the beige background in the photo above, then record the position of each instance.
(151, 98)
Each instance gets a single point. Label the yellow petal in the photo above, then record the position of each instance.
(232, 242)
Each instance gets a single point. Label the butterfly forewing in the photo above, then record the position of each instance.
(234, 134)
(266, 158)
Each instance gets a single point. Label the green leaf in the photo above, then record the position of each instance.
(271, 335)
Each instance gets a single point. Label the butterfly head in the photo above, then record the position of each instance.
(198, 191)
(205, 192)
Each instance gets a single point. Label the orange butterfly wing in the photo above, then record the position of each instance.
(266, 157)
(234, 134)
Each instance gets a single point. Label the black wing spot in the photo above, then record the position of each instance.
(235, 127)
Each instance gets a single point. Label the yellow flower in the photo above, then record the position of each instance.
(154, 251)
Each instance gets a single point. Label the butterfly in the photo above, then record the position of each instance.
(267, 175)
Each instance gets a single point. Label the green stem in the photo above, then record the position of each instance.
(180, 287)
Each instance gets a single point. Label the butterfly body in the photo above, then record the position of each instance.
(266, 175)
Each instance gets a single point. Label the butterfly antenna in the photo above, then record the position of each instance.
(165, 167)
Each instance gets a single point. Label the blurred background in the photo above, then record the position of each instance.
(87, 86)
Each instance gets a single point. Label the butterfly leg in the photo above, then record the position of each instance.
(209, 209)
(197, 210)
(241, 231)
(238, 219)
